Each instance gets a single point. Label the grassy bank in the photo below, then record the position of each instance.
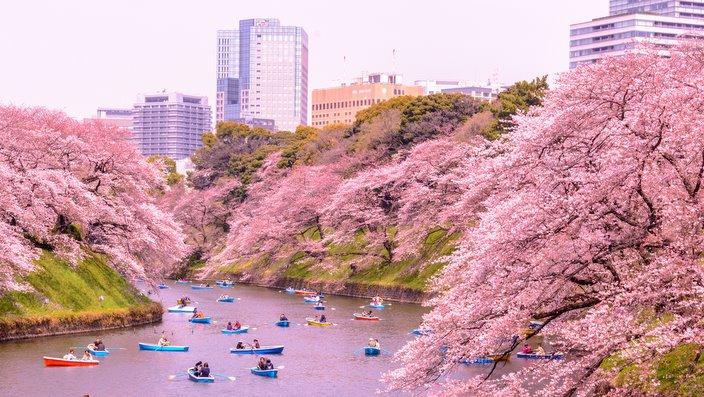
(63, 298)
(354, 265)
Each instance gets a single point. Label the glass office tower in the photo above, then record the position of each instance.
(673, 8)
(270, 65)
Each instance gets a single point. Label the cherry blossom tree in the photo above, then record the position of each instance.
(591, 221)
(66, 186)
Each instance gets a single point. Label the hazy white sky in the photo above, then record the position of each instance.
(78, 55)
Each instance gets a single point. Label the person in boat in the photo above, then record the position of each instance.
(256, 344)
(70, 355)
(527, 349)
(240, 345)
(323, 319)
(374, 343)
(262, 363)
(269, 364)
(204, 371)
(207, 285)
(99, 346)
(283, 317)
(237, 325)
(87, 356)
(197, 367)
(369, 314)
(229, 325)
(163, 341)
(540, 351)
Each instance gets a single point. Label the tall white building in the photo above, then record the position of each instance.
(170, 124)
(662, 23)
(262, 73)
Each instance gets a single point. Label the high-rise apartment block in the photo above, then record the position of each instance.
(339, 105)
(170, 124)
(262, 73)
(662, 22)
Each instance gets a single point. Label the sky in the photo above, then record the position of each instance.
(77, 56)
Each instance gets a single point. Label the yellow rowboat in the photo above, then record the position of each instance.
(313, 322)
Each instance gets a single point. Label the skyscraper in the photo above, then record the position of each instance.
(170, 124)
(660, 22)
(262, 73)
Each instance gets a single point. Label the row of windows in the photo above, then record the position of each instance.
(345, 104)
(619, 36)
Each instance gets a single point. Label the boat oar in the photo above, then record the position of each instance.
(232, 378)
(173, 377)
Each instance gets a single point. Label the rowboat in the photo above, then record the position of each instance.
(181, 309)
(150, 346)
(418, 331)
(182, 281)
(372, 351)
(282, 323)
(199, 379)
(358, 316)
(290, 290)
(60, 362)
(260, 350)
(321, 307)
(535, 324)
(270, 373)
(476, 361)
(304, 292)
(229, 299)
(201, 286)
(98, 353)
(241, 330)
(311, 299)
(376, 305)
(200, 320)
(533, 356)
(227, 285)
(162, 286)
(315, 323)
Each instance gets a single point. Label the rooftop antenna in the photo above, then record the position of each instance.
(393, 64)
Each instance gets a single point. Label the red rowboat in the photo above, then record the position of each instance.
(60, 362)
(358, 316)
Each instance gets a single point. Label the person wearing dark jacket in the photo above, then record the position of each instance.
(204, 371)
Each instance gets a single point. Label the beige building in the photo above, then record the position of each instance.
(339, 105)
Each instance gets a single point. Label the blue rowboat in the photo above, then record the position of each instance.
(372, 351)
(261, 350)
(269, 373)
(476, 361)
(535, 325)
(532, 356)
(226, 285)
(182, 309)
(200, 320)
(98, 353)
(182, 281)
(201, 286)
(290, 290)
(320, 308)
(151, 346)
(242, 330)
(229, 299)
(419, 331)
(199, 379)
(282, 323)
(311, 299)
(162, 286)
(376, 305)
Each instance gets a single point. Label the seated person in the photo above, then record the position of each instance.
(229, 325)
(86, 356)
(99, 345)
(540, 351)
(283, 318)
(527, 349)
(197, 367)
(269, 364)
(204, 371)
(323, 319)
(256, 344)
(70, 355)
(374, 342)
(369, 314)
(238, 325)
(163, 341)
(262, 363)
(240, 345)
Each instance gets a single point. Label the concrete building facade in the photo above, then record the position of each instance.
(170, 124)
(339, 105)
(118, 117)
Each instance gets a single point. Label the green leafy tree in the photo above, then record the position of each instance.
(517, 98)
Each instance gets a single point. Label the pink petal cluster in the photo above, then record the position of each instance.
(67, 186)
(591, 219)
